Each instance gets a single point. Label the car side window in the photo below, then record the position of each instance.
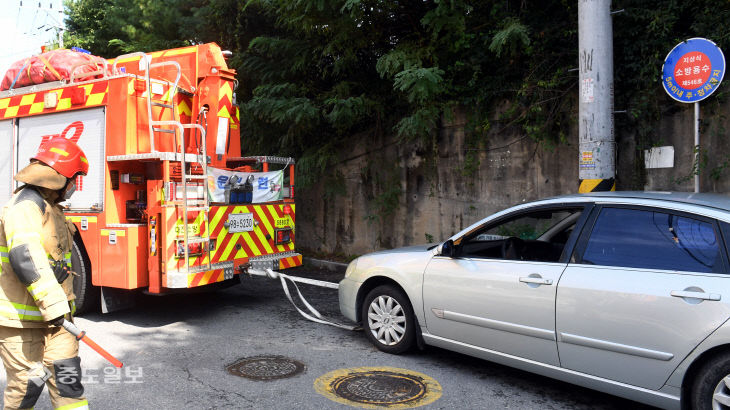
(647, 239)
(537, 235)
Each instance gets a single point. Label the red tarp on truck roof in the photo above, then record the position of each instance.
(50, 66)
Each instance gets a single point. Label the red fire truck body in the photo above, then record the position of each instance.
(164, 204)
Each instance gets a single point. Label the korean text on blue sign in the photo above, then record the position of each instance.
(693, 70)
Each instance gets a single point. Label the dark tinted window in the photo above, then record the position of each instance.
(653, 240)
(538, 235)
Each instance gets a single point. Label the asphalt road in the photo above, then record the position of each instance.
(176, 348)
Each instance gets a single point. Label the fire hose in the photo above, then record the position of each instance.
(313, 314)
(81, 335)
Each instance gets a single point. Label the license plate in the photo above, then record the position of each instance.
(240, 222)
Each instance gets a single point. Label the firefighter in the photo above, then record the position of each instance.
(36, 284)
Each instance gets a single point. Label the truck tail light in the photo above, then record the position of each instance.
(287, 210)
(282, 236)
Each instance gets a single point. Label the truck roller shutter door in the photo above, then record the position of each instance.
(6, 161)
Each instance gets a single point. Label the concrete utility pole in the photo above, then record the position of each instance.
(597, 159)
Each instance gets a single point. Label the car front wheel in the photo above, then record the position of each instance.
(711, 387)
(387, 317)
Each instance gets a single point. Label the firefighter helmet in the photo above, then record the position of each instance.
(63, 155)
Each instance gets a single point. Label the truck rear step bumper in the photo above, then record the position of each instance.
(200, 276)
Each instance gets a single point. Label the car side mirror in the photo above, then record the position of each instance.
(447, 249)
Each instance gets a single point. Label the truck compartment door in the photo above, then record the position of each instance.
(86, 128)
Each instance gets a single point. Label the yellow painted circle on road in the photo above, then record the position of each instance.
(378, 387)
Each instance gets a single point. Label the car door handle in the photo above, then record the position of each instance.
(695, 295)
(537, 281)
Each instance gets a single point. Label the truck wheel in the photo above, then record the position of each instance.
(711, 387)
(387, 317)
(87, 295)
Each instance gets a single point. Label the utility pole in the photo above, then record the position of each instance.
(597, 158)
(49, 10)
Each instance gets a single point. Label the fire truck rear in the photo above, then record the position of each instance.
(169, 202)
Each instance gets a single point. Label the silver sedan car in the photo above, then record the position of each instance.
(623, 292)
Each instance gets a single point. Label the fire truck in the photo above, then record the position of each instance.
(169, 203)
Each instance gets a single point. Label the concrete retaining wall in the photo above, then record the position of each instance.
(399, 194)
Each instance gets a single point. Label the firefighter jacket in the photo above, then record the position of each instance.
(34, 234)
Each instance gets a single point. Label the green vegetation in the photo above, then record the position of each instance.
(313, 73)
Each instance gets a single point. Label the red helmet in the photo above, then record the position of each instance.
(64, 156)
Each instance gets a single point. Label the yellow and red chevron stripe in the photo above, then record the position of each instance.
(205, 278)
(176, 232)
(225, 99)
(184, 104)
(31, 104)
(290, 262)
(259, 241)
(229, 247)
(195, 279)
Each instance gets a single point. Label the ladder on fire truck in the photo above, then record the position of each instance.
(175, 127)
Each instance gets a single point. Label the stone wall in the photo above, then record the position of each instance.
(398, 194)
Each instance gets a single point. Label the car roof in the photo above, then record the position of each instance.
(716, 201)
(717, 205)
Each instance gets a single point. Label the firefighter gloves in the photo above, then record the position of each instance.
(61, 270)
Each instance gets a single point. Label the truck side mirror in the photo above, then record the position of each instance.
(447, 249)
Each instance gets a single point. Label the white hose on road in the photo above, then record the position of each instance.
(315, 316)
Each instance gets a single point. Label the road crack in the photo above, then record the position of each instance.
(222, 394)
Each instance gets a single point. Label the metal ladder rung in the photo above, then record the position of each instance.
(191, 202)
(199, 239)
(198, 208)
(163, 130)
(196, 176)
(156, 104)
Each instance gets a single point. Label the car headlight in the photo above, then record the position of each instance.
(351, 268)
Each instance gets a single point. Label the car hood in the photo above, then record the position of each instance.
(405, 261)
(405, 249)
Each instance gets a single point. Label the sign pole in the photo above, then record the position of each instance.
(697, 146)
(692, 71)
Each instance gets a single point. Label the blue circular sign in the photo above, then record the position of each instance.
(693, 70)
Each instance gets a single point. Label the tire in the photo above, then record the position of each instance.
(87, 295)
(711, 386)
(388, 320)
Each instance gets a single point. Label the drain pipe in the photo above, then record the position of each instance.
(597, 156)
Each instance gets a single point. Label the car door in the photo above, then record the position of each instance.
(482, 298)
(646, 288)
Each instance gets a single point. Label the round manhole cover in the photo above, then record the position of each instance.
(375, 387)
(265, 367)
(379, 387)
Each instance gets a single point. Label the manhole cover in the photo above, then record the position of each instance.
(379, 387)
(376, 387)
(265, 367)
